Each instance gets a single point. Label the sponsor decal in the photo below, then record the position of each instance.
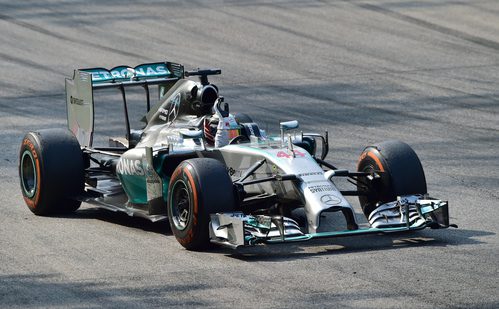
(236, 214)
(321, 188)
(151, 176)
(32, 201)
(330, 199)
(310, 174)
(252, 132)
(283, 154)
(170, 113)
(77, 101)
(31, 147)
(176, 100)
(172, 139)
(163, 111)
(130, 167)
(101, 75)
(122, 72)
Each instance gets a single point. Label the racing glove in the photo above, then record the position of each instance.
(224, 125)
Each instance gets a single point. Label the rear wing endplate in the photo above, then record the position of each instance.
(79, 91)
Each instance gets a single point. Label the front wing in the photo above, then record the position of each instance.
(408, 213)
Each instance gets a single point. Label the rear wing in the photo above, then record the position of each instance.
(80, 88)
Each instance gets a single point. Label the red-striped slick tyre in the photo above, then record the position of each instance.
(400, 170)
(51, 171)
(198, 187)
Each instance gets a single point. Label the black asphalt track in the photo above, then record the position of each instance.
(425, 72)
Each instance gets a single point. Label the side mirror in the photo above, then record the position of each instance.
(286, 126)
(289, 125)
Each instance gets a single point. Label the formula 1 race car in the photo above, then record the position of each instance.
(216, 176)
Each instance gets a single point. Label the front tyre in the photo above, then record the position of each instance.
(400, 170)
(198, 188)
(51, 171)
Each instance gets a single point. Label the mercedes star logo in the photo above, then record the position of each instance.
(330, 199)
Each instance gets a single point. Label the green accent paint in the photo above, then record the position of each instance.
(135, 188)
(158, 163)
(122, 73)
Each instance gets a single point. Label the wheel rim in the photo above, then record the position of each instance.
(180, 205)
(28, 174)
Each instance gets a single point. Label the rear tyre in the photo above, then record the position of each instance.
(198, 187)
(400, 170)
(51, 171)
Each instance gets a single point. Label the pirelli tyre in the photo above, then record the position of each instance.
(51, 171)
(400, 170)
(198, 187)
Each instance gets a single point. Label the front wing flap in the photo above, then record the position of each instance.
(408, 213)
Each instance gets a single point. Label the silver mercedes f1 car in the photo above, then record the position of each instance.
(215, 175)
